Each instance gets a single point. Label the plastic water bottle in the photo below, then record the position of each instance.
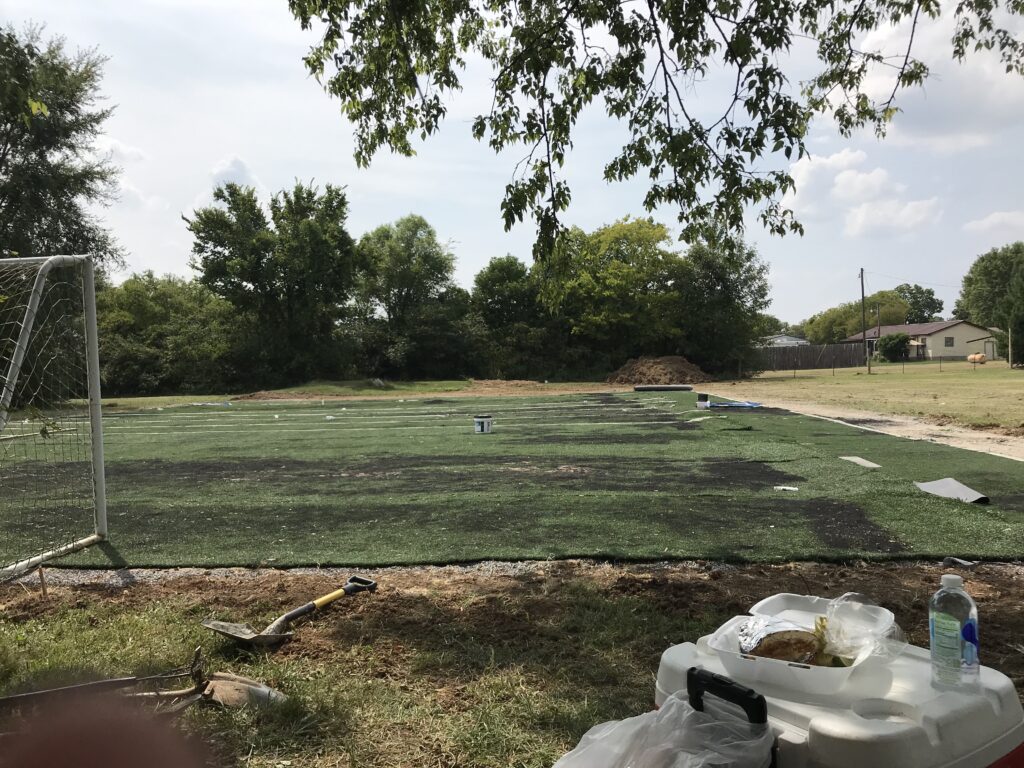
(953, 625)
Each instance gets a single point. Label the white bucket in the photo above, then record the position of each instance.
(482, 424)
(702, 400)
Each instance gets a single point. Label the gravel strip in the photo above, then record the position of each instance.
(70, 577)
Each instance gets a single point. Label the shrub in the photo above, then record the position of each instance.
(895, 346)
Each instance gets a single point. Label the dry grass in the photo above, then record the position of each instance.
(988, 396)
(482, 666)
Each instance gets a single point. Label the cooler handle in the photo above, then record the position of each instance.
(700, 681)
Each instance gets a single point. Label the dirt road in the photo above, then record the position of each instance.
(901, 426)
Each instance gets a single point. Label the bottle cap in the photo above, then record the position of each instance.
(952, 581)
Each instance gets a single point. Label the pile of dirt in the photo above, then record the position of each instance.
(673, 369)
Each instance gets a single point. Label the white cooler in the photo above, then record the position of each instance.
(883, 714)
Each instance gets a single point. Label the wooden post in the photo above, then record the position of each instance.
(864, 321)
(42, 583)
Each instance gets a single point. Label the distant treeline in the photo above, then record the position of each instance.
(284, 295)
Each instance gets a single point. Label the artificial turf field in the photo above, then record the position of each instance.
(630, 476)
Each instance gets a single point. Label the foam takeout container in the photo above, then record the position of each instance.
(801, 610)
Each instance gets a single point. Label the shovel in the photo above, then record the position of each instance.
(277, 632)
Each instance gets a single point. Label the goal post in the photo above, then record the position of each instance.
(52, 483)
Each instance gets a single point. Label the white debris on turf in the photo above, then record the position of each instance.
(950, 488)
(861, 462)
(786, 488)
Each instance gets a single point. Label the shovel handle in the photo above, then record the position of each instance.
(352, 586)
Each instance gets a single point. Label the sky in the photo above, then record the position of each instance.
(208, 92)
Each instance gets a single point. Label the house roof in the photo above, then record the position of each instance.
(911, 329)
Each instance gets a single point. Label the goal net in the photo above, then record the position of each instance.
(52, 492)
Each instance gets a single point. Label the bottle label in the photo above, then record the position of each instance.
(946, 648)
(969, 633)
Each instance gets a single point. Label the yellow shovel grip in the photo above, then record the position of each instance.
(320, 602)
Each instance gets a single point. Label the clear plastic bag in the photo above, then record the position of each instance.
(854, 626)
(675, 736)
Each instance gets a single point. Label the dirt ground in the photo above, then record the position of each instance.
(983, 440)
(476, 388)
(701, 590)
(672, 369)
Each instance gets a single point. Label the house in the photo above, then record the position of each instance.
(783, 340)
(948, 339)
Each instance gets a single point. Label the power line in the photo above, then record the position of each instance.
(917, 282)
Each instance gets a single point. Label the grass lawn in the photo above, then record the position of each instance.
(627, 476)
(493, 666)
(990, 395)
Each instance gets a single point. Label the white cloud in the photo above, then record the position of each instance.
(810, 171)
(998, 221)
(118, 151)
(851, 185)
(891, 217)
(977, 99)
(234, 170)
(939, 143)
(131, 195)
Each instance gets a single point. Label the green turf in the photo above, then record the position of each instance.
(407, 481)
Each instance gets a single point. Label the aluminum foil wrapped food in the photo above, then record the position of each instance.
(773, 638)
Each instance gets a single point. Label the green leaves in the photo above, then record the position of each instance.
(396, 67)
(36, 107)
(289, 275)
(52, 176)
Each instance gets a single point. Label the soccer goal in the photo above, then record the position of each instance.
(52, 490)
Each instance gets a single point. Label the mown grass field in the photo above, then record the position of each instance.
(623, 476)
(990, 395)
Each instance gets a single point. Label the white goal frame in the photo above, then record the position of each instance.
(47, 264)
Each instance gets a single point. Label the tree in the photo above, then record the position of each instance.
(923, 305)
(447, 340)
(396, 68)
(52, 177)
(723, 292)
(291, 277)
(613, 288)
(986, 285)
(1011, 309)
(837, 323)
(623, 293)
(769, 325)
(894, 346)
(165, 335)
(504, 295)
(406, 268)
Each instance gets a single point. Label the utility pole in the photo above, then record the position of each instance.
(864, 321)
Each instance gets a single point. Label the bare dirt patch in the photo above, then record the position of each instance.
(673, 369)
(476, 388)
(514, 600)
(998, 441)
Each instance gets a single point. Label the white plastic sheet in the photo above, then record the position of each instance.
(675, 736)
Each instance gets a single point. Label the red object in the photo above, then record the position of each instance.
(1013, 760)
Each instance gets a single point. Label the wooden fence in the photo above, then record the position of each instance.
(810, 356)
